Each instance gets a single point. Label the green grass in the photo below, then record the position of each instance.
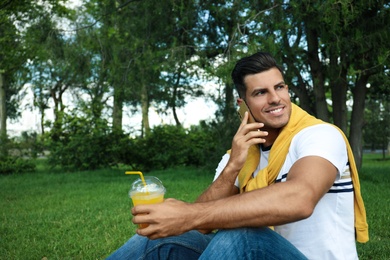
(375, 187)
(83, 215)
(86, 215)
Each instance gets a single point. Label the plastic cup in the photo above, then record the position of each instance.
(147, 191)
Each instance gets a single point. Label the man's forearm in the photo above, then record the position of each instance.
(253, 209)
(222, 187)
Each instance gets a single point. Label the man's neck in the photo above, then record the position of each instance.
(272, 135)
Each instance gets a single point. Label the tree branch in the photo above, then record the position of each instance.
(104, 15)
(4, 5)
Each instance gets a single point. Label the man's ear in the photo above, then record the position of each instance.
(239, 101)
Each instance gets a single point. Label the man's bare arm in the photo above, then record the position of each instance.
(308, 180)
(223, 186)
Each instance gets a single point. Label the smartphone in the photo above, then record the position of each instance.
(241, 112)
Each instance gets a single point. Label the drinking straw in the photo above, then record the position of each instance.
(138, 173)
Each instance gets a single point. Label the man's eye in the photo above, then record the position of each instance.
(280, 86)
(259, 93)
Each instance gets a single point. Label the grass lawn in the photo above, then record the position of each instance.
(375, 187)
(86, 215)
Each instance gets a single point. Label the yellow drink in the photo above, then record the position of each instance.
(142, 198)
(146, 190)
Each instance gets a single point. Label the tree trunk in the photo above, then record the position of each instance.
(299, 88)
(357, 118)
(3, 113)
(145, 110)
(177, 121)
(3, 118)
(42, 123)
(229, 103)
(339, 92)
(339, 100)
(301, 91)
(174, 96)
(58, 110)
(117, 111)
(317, 74)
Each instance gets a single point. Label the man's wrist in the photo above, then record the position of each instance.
(199, 218)
(231, 171)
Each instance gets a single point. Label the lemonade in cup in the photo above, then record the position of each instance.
(146, 190)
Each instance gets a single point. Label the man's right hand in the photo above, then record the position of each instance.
(248, 134)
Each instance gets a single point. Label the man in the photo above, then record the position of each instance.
(287, 189)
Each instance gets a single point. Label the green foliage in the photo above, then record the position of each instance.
(19, 154)
(29, 144)
(377, 115)
(84, 144)
(81, 144)
(164, 147)
(171, 146)
(203, 146)
(13, 164)
(140, 53)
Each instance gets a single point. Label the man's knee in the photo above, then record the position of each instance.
(249, 243)
(189, 245)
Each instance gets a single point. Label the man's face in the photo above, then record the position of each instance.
(268, 99)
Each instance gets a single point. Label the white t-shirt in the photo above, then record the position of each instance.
(329, 232)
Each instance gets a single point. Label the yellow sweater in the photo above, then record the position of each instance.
(299, 120)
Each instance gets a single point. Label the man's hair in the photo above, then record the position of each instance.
(256, 63)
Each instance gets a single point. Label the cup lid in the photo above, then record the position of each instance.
(153, 184)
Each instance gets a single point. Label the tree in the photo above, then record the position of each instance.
(55, 69)
(137, 39)
(10, 61)
(3, 117)
(144, 54)
(338, 50)
(376, 132)
(92, 91)
(366, 61)
(228, 31)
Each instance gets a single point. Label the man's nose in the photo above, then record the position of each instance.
(273, 97)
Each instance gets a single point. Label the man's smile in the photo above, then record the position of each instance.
(275, 111)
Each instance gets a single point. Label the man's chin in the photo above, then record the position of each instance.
(274, 125)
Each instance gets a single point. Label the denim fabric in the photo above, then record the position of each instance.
(242, 243)
(250, 243)
(187, 246)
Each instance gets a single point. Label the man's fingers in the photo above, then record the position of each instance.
(244, 120)
(140, 209)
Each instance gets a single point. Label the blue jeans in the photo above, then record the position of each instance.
(242, 243)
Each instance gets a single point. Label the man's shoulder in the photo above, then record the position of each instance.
(325, 137)
(325, 129)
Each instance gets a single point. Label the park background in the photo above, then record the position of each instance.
(97, 73)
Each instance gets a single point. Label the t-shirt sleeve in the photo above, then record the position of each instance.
(222, 164)
(321, 140)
